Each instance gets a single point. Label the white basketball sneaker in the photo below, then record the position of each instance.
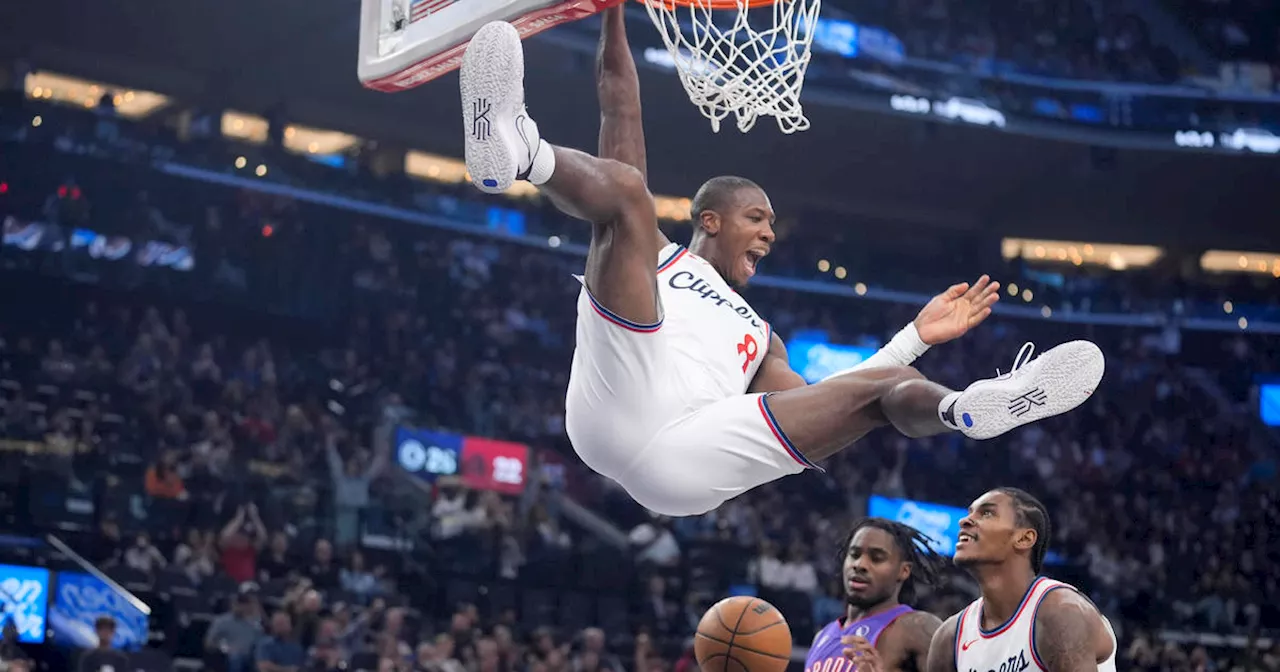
(1052, 384)
(503, 144)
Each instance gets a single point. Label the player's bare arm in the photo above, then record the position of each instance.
(905, 645)
(946, 317)
(775, 373)
(942, 652)
(1070, 636)
(618, 89)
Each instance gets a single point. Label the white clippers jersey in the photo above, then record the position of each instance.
(716, 339)
(1011, 647)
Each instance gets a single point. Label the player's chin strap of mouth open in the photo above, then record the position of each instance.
(902, 350)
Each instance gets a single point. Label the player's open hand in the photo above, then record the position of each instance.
(962, 307)
(862, 654)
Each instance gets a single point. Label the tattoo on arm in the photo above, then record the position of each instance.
(942, 651)
(1064, 632)
(918, 628)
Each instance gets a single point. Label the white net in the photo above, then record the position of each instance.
(730, 61)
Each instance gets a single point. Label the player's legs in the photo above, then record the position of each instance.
(503, 145)
(822, 419)
(722, 450)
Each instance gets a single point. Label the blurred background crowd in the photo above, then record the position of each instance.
(307, 413)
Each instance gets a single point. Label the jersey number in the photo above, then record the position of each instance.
(748, 348)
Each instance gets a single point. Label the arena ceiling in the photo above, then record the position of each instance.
(300, 54)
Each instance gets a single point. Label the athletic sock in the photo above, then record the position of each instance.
(947, 410)
(544, 163)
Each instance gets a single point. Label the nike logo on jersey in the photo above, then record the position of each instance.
(966, 645)
(691, 282)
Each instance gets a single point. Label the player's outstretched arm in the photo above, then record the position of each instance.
(946, 317)
(1069, 635)
(618, 88)
(942, 648)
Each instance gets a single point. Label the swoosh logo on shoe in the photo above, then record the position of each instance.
(528, 151)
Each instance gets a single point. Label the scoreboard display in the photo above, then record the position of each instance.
(480, 463)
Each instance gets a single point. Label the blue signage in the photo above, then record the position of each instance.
(80, 599)
(941, 524)
(24, 596)
(835, 36)
(815, 360)
(1269, 404)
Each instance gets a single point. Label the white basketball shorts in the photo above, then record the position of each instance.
(631, 415)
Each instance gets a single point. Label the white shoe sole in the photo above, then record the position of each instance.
(492, 83)
(1064, 378)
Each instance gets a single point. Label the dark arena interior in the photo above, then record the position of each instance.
(274, 376)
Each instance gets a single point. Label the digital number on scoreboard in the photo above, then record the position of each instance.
(479, 463)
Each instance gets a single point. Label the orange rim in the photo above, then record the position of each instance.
(713, 4)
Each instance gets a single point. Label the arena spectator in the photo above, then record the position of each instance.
(103, 658)
(279, 651)
(240, 541)
(234, 634)
(144, 557)
(324, 571)
(197, 556)
(12, 657)
(163, 479)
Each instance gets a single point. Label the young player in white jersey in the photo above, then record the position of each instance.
(1022, 621)
(679, 390)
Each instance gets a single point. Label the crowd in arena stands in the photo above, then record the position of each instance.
(243, 453)
(233, 228)
(1234, 29)
(1084, 39)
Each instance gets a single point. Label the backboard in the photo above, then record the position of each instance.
(406, 43)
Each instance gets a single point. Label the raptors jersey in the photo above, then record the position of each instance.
(1011, 647)
(826, 654)
(716, 338)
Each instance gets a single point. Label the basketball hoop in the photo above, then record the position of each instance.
(731, 55)
(727, 65)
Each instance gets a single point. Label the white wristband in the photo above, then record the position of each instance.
(905, 346)
(902, 350)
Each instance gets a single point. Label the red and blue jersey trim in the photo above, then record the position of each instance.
(671, 260)
(623, 322)
(782, 436)
(988, 634)
(955, 645)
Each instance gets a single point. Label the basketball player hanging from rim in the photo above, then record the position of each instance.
(679, 390)
(1022, 621)
(883, 563)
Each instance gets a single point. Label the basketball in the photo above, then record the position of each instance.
(742, 634)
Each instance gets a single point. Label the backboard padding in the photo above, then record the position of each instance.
(417, 51)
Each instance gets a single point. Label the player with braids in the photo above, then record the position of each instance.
(1031, 513)
(884, 561)
(1022, 620)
